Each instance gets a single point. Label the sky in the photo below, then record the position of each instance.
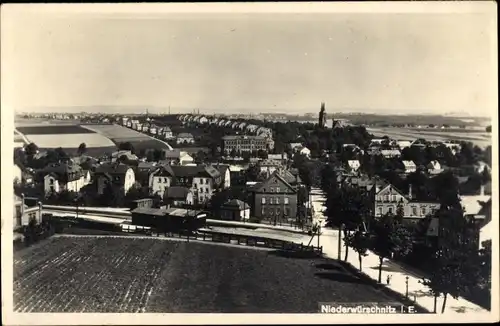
(251, 62)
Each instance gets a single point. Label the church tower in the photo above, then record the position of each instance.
(322, 116)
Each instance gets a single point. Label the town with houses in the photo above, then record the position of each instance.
(221, 175)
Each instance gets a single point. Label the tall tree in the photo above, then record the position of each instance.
(388, 238)
(455, 264)
(359, 241)
(31, 149)
(82, 149)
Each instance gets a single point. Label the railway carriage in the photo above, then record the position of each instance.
(169, 220)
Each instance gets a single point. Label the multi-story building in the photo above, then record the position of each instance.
(244, 143)
(388, 200)
(275, 199)
(117, 175)
(64, 176)
(202, 180)
(23, 214)
(160, 179)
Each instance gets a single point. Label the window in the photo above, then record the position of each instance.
(51, 181)
(201, 181)
(424, 211)
(286, 200)
(287, 211)
(278, 211)
(272, 189)
(278, 189)
(414, 210)
(393, 197)
(386, 198)
(263, 200)
(390, 210)
(433, 210)
(380, 211)
(277, 200)
(271, 201)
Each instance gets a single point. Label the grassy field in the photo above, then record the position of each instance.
(112, 274)
(119, 134)
(66, 136)
(481, 139)
(52, 129)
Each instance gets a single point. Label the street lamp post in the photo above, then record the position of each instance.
(407, 286)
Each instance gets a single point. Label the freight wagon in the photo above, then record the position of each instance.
(175, 220)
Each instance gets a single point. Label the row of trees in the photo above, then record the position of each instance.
(457, 265)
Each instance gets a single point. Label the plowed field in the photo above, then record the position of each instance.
(122, 274)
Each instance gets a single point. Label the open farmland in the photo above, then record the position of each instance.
(482, 139)
(119, 134)
(66, 136)
(125, 274)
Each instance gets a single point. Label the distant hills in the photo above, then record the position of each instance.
(142, 109)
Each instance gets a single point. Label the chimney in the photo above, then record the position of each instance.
(410, 194)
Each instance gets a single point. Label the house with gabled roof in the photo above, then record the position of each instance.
(185, 138)
(410, 166)
(178, 196)
(389, 199)
(275, 198)
(434, 167)
(353, 165)
(63, 176)
(117, 175)
(235, 210)
(160, 178)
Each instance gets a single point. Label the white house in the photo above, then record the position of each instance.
(434, 167)
(304, 151)
(353, 164)
(166, 132)
(185, 138)
(160, 179)
(388, 153)
(410, 166)
(153, 129)
(138, 126)
(404, 143)
(203, 120)
(61, 177)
